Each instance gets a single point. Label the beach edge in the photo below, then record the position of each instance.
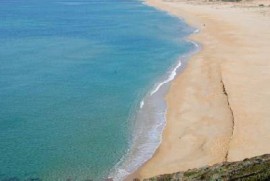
(218, 110)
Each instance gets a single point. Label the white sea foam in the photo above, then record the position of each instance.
(196, 31)
(194, 43)
(170, 78)
(142, 104)
(140, 152)
(150, 122)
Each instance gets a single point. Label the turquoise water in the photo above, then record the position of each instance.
(72, 75)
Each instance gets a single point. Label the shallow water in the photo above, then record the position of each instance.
(72, 75)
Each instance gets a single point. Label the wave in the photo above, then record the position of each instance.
(150, 122)
(170, 78)
(142, 104)
(194, 43)
(196, 31)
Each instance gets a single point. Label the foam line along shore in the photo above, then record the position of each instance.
(218, 107)
(150, 122)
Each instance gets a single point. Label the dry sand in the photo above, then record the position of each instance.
(219, 107)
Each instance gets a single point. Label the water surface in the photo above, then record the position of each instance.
(72, 75)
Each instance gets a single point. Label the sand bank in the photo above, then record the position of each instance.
(219, 107)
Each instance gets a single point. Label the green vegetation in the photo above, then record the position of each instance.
(253, 169)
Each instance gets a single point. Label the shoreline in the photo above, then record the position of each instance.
(155, 103)
(208, 105)
(155, 96)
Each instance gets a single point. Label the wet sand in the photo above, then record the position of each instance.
(219, 106)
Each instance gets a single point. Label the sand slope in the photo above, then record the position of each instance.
(219, 107)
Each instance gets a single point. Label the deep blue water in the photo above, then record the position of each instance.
(72, 74)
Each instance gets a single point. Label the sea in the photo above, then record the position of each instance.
(82, 86)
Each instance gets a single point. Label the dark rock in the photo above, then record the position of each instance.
(253, 169)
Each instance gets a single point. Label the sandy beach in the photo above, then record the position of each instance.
(219, 106)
